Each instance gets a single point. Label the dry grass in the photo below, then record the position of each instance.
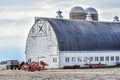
(61, 74)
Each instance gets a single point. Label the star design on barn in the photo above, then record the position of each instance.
(41, 28)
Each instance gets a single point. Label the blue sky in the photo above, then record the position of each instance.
(17, 17)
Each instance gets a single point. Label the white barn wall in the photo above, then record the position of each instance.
(88, 54)
(42, 48)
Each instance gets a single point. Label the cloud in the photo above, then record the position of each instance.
(17, 17)
(15, 2)
(42, 8)
(14, 34)
(14, 22)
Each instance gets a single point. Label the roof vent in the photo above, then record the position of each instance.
(88, 17)
(59, 16)
(116, 19)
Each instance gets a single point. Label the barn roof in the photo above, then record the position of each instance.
(86, 35)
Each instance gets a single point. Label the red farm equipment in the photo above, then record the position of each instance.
(95, 65)
(34, 66)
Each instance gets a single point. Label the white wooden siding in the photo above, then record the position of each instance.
(85, 57)
(43, 47)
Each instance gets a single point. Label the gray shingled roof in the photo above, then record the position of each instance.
(86, 36)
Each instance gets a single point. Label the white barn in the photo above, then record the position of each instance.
(62, 42)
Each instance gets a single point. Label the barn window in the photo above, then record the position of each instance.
(79, 59)
(117, 58)
(107, 58)
(112, 58)
(73, 59)
(85, 59)
(96, 58)
(29, 60)
(55, 60)
(91, 58)
(67, 59)
(102, 58)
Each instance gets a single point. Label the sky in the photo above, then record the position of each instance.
(17, 17)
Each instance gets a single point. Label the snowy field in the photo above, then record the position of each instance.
(60, 74)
